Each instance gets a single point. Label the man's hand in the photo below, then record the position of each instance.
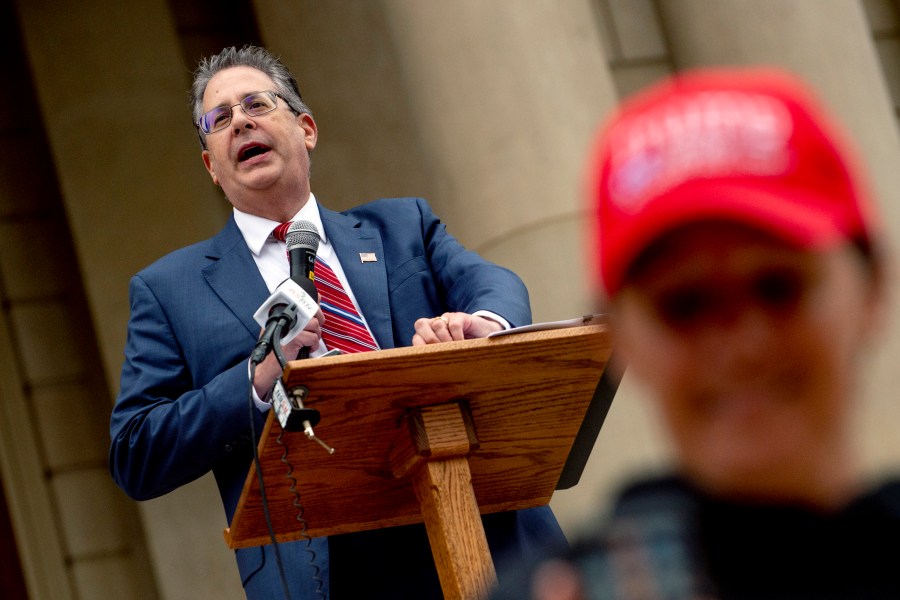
(269, 370)
(452, 327)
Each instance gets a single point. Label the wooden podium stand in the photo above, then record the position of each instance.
(437, 433)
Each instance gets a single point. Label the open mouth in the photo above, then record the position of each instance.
(252, 150)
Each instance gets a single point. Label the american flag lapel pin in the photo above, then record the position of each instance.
(367, 257)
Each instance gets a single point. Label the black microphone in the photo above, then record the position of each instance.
(302, 244)
(280, 316)
(302, 240)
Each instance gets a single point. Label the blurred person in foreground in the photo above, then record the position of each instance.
(744, 272)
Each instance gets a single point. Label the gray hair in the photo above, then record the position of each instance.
(248, 56)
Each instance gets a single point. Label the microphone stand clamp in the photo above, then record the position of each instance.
(294, 415)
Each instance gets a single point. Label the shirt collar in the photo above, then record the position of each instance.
(258, 230)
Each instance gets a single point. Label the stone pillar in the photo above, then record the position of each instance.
(507, 102)
(829, 43)
(112, 90)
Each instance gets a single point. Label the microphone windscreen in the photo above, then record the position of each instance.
(302, 234)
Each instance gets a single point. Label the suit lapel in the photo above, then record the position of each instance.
(368, 280)
(234, 276)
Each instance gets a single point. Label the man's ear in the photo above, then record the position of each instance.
(310, 130)
(207, 162)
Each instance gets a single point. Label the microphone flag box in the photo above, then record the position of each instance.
(288, 293)
(284, 409)
(289, 410)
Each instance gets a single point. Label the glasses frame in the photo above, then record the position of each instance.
(274, 96)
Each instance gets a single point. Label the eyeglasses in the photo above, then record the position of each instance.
(254, 105)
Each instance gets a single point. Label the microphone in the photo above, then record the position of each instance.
(291, 307)
(302, 239)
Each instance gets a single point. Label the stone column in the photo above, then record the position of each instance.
(112, 90)
(507, 102)
(113, 93)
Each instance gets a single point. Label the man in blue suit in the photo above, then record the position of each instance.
(182, 407)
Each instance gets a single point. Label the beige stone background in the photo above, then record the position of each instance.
(486, 107)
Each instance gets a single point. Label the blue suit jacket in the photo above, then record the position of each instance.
(182, 408)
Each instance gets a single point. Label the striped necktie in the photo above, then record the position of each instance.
(344, 328)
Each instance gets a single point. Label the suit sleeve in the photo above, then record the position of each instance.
(468, 282)
(165, 431)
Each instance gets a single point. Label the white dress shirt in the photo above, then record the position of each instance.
(271, 254)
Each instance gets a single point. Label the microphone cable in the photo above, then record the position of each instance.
(279, 325)
(281, 320)
(320, 592)
(282, 361)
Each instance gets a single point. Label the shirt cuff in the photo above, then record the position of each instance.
(493, 317)
(262, 405)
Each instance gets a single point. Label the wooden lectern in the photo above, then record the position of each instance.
(437, 433)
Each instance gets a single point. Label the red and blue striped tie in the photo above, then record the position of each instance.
(343, 329)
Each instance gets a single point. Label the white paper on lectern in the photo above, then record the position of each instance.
(594, 319)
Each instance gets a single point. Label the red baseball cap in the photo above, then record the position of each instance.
(745, 145)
